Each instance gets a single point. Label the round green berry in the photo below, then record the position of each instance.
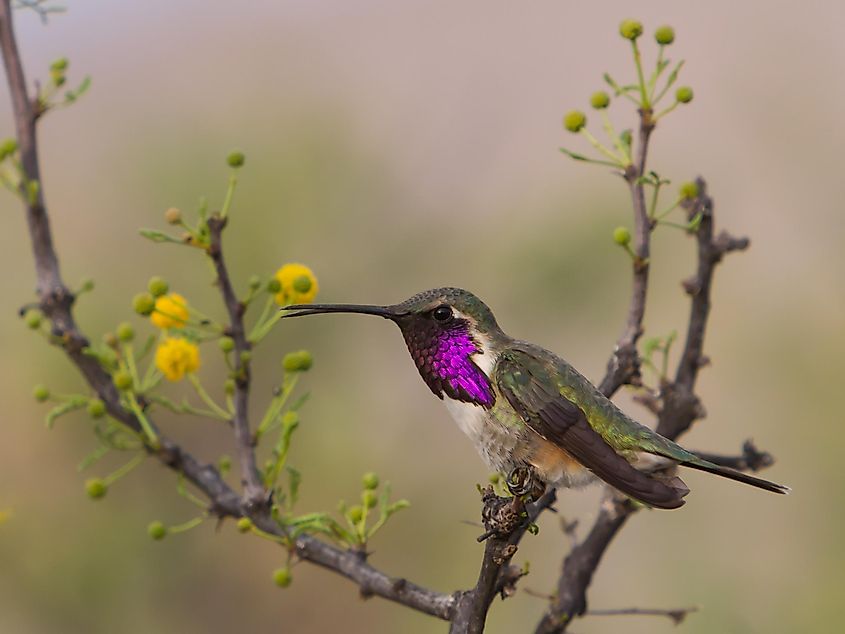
(125, 332)
(110, 339)
(227, 344)
(96, 408)
(282, 577)
(173, 216)
(244, 525)
(246, 357)
(96, 488)
(33, 319)
(122, 380)
(157, 531)
(157, 286)
(8, 147)
(302, 284)
(355, 514)
(274, 286)
(621, 236)
(631, 29)
(143, 303)
(229, 386)
(664, 35)
(298, 361)
(236, 159)
(41, 393)
(254, 282)
(574, 120)
(684, 94)
(369, 498)
(688, 190)
(370, 480)
(600, 100)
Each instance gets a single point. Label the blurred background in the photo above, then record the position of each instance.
(401, 146)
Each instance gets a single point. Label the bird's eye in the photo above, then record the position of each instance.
(443, 314)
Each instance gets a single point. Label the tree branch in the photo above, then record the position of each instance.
(253, 490)
(679, 405)
(496, 575)
(56, 301)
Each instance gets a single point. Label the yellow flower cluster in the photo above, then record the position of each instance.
(298, 284)
(176, 357)
(171, 311)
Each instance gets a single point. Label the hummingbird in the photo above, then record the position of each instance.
(524, 407)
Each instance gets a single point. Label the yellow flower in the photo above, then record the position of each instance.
(299, 285)
(171, 311)
(176, 357)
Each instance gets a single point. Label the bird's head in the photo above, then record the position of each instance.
(449, 332)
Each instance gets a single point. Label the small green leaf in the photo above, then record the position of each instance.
(294, 480)
(72, 404)
(158, 236)
(92, 458)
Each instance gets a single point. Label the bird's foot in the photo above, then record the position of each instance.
(523, 483)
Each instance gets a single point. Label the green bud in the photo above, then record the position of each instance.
(298, 361)
(41, 393)
(664, 35)
(370, 480)
(236, 159)
(157, 530)
(355, 514)
(255, 282)
(87, 285)
(227, 344)
(302, 284)
(173, 216)
(125, 332)
(157, 286)
(369, 498)
(229, 386)
(688, 190)
(274, 285)
(626, 137)
(224, 463)
(33, 319)
(8, 147)
(58, 77)
(282, 577)
(630, 29)
(96, 488)
(143, 303)
(574, 120)
(60, 64)
(246, 357)
(122, 380)
(110, 339)
(96, 408)
(600, 100)
(244, 525)
(621, 236)
(684, 94)
(290, 420)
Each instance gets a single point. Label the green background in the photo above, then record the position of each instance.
(396, 147)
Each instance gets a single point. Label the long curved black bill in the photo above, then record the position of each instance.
(300, 310)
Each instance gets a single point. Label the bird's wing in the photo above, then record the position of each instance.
(530, 387)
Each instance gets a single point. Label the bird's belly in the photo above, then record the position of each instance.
(496, 442)
(555, 466)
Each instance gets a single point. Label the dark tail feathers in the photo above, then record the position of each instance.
(739, 476)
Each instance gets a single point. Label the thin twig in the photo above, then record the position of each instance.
(677, 615)
(253, 490)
